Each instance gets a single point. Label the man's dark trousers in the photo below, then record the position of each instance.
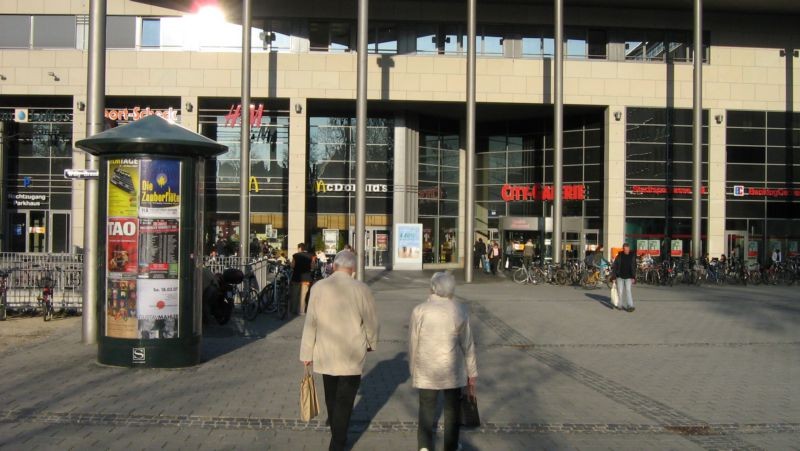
(340, 394)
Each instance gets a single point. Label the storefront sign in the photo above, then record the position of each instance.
(774, 193)
(511, 193)
(24, 200)
(435, 192)
(321, 187)
(234, 116)
(31, 115)
(136, 113)
(408, 246)
(676, 248)
(664, 190)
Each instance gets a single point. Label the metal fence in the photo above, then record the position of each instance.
(29, 273)
(259, 266)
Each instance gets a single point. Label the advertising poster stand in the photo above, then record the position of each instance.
(407, 247)
(149, 293)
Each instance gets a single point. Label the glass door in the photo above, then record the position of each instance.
(60, 232)
(37, 231)
(17, 227)
(736, 245)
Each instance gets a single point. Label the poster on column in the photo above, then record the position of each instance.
(123, 181)
(158, 248)
(122, 245)
(158, 308)
(752, 249)
(121, 307)
(160, 189)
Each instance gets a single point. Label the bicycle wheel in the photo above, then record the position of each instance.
(282, 296)
(754, 277)
(585, 280)
(3, 312)
(250, 304)
(520, 276)
(538, 276)
(47, 314)
(561, 277)
(268, 304)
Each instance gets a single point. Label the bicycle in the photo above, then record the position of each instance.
(593, 278)
(248, 294)
(4, 275)
(528, 275)
(275, 296)
(47, 284)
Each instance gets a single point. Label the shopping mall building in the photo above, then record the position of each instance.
(627, 118)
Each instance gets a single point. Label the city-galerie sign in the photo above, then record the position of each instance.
(516, 193)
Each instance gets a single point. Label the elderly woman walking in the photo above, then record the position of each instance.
(442, 359)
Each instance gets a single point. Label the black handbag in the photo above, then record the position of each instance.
(469, 411)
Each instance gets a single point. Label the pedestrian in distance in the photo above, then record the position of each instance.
(494, 257)
(441, 360)
(528, 253)
(624, 273)
(302, 267)
(479, 252)
(340, 328)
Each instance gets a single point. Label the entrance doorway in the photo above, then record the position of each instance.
(39, 231)
(376, 247)
(737, 246)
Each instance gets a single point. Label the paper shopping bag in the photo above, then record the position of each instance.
(614, 295)
(309, 403)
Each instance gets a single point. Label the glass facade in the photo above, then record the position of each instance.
(220, 119)
(36, 152)
(438, 189)
(658, 173)
(517, 154)
(762, 189)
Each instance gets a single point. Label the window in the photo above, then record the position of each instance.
(151, 32)
(329, 36)
(598, 43)
(426, 39)
(576, 44)
(277, 36)
(491, 41)
(54, 31)
(121, 32)
(383, 39)
(15, 31)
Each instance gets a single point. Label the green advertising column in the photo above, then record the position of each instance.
(150, 246)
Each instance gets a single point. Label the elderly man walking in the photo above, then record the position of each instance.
(341, 327)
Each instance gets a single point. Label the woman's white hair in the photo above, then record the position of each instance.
(345, 259)
(443, 284)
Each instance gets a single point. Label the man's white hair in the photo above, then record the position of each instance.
(443, 284)
(345, 259)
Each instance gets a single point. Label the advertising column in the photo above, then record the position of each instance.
(143, 294)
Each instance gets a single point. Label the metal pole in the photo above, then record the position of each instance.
(470, 159)
(697, 132)
(558, 129)
(95, 104)
(361, 139)
(244, 146)
(3, 217)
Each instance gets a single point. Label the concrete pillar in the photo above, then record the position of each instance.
(401, 189)
(78, 162)
(717, 142)
(614, 174)
(297, 171)
(462, 198)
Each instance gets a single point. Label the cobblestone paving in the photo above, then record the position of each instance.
(714, 368)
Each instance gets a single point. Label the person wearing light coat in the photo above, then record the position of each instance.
(341, 327)
(441, 359)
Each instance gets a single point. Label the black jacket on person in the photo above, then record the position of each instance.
(480, 248)
(625, 266)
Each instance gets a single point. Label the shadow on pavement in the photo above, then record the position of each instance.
(219, 340)
(604, 300)
(377, 388)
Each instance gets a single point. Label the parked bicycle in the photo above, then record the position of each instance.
(595, 278)
(4, 275)
(275, 296)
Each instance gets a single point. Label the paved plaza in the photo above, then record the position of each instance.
(691, 368)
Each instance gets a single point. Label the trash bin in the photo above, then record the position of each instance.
(150, 218)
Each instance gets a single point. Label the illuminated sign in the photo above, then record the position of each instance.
(31, 115)
(16, 200)
(512, 193)
(664, 190)
(136, 113)
(775, 193)
(435, 192)
(321, 187)
(235, 114)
